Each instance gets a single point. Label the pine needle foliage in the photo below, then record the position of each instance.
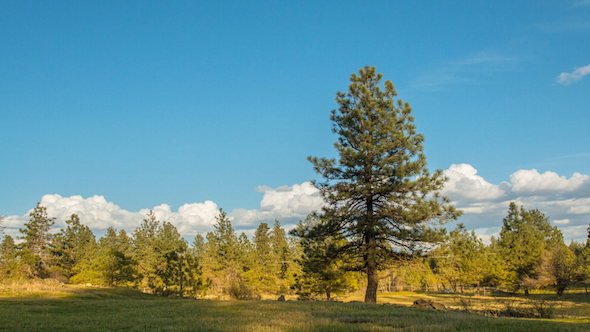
(379, 192)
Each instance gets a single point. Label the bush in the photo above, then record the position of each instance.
(237, 289)
(543, 308)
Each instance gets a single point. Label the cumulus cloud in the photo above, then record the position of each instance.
(532, 182)
(576, 75)
(190, 219)
(285, 203)
(94, 211)
(565, 200)
(97, 213)
(464, 184)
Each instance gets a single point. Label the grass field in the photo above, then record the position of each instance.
(77, 308)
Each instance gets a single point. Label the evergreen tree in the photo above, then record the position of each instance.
(262, 242)
(8, 249)
(246, 253)
(209, 261)
(524, 237)
(37, 238)
(417, 271)
(9, 265)
(176, 268)
(252, 278)
(584, 263)
(144, 243)
(198, 247)
(124, 242)
(264, 260)
(1, 226)
(281, 251)
(324, 272)
(379, 192)
(115, 262)
(223, 262)
(73, 244)
(227, 242)
(460, 260)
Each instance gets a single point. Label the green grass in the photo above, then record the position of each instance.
(102, 309)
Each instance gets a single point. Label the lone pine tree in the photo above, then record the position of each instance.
(379, 192)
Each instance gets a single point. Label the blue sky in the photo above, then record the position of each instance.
(146, 103)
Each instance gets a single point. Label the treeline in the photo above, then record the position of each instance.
(528, 254)
(155, 258)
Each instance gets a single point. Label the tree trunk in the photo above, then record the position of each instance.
(372, 277)
(372, 283)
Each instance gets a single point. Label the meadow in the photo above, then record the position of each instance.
(57, 307)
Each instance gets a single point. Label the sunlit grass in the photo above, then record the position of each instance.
(76, 308)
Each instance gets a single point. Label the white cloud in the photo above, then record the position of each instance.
(576, 75)
(576, 233)
(532, 182)
(565, 200)
(578, 206)
(465, 184)
(190, 219)
(485, 234)
(94, 211)
(284, 202)
(97, 213)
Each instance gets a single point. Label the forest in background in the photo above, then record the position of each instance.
(528, 254)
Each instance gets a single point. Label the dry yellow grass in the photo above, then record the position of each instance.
(44, 288)
(573, 307)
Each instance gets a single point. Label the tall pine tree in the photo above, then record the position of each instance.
(282, 255)
(264, 260)
(114, 259)
(37, 238)
(73, 244)
(379, 192)
(144, 243)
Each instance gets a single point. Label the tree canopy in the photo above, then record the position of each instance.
(379, 192)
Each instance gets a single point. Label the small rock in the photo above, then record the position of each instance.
(428, 304)
(438, 306)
